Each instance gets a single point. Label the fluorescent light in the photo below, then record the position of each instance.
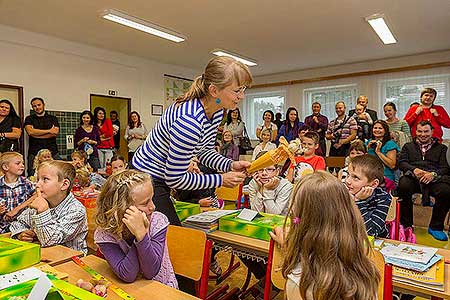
(139, 24)
(379, 25)
(247, 61)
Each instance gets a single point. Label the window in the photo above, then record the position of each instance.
(328, 96)
(254, 106)
(405, 91)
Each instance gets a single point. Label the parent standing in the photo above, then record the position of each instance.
(10, 127)
(384, 147)
(42, 129)
(290, 126)
(135, 134)
(236, 126)
(188, 128)
(400, 131)
(87, 137)
(318, 123)
(106, 146)
(268, 118)
(427, 110)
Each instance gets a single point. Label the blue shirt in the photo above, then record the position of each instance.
(182, 132)
(390, 145)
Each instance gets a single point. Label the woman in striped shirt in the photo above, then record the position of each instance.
(188, 128)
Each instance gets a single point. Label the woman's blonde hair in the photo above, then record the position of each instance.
(7, 157)
(330, 242)
(64, 170)
(115, 198)
(38, 156)
(220, 71)
(223, 135)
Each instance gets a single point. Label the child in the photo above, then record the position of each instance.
(130, 233)
(357, 148)
(55, 216)
(265, 144)
(15, 190)
(326, 245)
(228, 148)
(118, 163)
(364, 122)
(309, 161)
(41, 156)
(80, 161)
(365, 174)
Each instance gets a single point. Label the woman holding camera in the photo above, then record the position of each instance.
(384, 147)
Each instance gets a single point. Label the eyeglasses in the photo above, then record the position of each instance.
(268, 170)
(240, 90)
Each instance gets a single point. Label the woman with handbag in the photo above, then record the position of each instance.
(87, 137)
(10, 127)
(236, 126)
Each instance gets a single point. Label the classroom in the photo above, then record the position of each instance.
(174, 150)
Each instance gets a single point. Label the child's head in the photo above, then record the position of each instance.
(118, 163)
(82, 176)
(227, 136)
(364, 170)
(79, 159)
(41, 156)
(357, 148)
(302, 130)
(310, 143)
(265, 135)
(12, 163)
(55, 179)
(122, 190)
(329, 241)
(266, 174)
(359, 109)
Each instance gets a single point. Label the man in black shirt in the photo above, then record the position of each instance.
(116, 128)
(362, 100)
(42, 130)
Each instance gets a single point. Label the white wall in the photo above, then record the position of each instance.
(65, 73)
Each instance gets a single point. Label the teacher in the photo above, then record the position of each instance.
(188, 128)
(10, 127)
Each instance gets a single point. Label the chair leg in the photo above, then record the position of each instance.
(388, 288)
(231, 267)
(268, 283)
(218, 292)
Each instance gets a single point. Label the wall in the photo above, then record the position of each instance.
(65, 73)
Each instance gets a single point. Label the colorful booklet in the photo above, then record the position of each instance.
(411, 253)
(433, 278)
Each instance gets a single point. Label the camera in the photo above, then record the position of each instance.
(374, 145)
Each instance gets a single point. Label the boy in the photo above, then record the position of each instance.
(15, 190)
(365, 174)
(309, 161)
(55, 216)
(364, 122)
(268, 192)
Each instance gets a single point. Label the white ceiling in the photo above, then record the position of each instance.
(282, 35)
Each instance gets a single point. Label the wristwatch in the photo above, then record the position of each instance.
(435, 175)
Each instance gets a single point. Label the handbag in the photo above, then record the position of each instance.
(245, 143)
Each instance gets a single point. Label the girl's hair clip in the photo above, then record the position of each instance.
(296, 220)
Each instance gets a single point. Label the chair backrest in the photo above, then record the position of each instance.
(186, 251)
(392, 212)
(335, 161)
(230, 194)
(277, 263)
(378, 259)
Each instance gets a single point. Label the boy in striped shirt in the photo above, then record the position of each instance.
(363, 183)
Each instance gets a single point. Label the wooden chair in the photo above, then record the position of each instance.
(190, 254)
(335, 161)
(230, 194)
(393, 217)
(385, 287)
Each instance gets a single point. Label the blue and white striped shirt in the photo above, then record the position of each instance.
(184, 131)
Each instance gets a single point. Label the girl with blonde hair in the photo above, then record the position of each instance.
(326, 245)
(188, 128)
(130, 234)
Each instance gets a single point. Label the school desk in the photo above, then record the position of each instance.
(140, 289)
(411, 288)
(56, 255)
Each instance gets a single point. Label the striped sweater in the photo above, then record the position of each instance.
(374, 212)
(183, 131)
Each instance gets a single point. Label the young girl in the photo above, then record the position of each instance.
(79, 161)
(228, 148)
(357, 148)
(130, 234)
(326, 245)
(265, 144)
(118, 163)
(41, 156)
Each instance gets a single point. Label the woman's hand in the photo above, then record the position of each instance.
(137, 222)
(419, 109)
(240, 165)
(378, 147)
(434, 112)
(231, 179)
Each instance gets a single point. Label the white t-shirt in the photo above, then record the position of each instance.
(259, 148)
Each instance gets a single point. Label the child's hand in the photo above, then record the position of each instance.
(364, 193)
(39, 203)
(278, 235)
(272, 184)
(10, 215)
(27, 236)
(137, 222)
(205, 202)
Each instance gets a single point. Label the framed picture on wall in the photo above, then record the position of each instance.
(157, 110)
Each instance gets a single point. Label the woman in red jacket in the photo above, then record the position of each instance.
(105, 148)
(426, 110)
